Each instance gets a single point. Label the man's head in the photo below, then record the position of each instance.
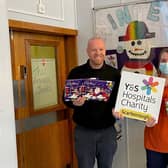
(96, 52)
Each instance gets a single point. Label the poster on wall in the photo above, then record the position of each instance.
(134, 35)
(139, 96)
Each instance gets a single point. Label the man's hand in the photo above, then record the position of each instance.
(79, 101)
(117, 115)
(150, 122)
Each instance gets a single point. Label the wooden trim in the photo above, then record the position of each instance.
(71, 55)
(43, 29)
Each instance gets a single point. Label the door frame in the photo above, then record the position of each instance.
(70, 45)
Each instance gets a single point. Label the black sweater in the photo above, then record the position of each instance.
(95, 114)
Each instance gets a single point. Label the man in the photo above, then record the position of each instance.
(95, 135)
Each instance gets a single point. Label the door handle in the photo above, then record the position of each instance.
(19, 89)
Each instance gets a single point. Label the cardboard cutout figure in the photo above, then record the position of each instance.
(137, 45)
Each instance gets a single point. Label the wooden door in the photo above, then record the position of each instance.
(41, 60)
(38, 56)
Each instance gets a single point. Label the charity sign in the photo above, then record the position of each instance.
(139, 96)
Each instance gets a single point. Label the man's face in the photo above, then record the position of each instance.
(96, 52)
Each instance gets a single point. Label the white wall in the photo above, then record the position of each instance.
(106, 3)
(8, 153)
(85, 27)
(60, 13)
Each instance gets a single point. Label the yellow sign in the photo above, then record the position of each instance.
(135, 114)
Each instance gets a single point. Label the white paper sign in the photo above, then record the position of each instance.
(139, 96)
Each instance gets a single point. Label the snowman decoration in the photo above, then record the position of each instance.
(137, 45)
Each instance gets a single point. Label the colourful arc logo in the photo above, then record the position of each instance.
(150, 86)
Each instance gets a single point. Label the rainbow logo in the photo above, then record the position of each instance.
(150, 86)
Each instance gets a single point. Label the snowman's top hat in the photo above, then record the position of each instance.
(137, 30)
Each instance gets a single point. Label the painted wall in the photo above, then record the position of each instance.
(54, 12)
(8, 153)
(105, 3)
(85, 27)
